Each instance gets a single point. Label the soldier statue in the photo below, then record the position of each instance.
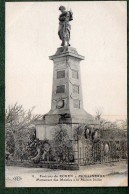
(64, 26)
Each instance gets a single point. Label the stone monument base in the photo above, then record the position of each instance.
(67, 110)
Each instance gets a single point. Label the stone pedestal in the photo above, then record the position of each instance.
(67, 103)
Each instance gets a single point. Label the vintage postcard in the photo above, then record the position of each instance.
(66, 94)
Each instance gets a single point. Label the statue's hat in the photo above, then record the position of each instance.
(62, 7)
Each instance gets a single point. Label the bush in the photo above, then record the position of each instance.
(62, 146)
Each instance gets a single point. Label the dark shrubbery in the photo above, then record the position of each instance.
(62, 146)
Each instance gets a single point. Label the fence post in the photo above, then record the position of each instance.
(101, 150)
(78, 152)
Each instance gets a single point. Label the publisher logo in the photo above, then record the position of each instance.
(17, 178)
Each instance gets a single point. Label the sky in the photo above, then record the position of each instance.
(98, 32)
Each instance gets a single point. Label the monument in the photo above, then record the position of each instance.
(67, 102)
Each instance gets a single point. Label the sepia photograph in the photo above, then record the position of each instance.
(66, 94)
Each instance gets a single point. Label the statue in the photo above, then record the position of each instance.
(64, 26)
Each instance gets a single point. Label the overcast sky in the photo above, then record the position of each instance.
(99, 32)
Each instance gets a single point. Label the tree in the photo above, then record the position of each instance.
(18, 126)
(98, 112)
(9, 144)
(62, 145)
(79, 132)
(17, 118)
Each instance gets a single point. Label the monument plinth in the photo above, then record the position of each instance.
(67, 103)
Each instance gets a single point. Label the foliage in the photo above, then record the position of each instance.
(62, 146)
(31, 148)
(44, 151)
(98, 113)
(79, 132)
(16, 118)
(10, 144)
(19, 129)
(83, 132)
(113, 130)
